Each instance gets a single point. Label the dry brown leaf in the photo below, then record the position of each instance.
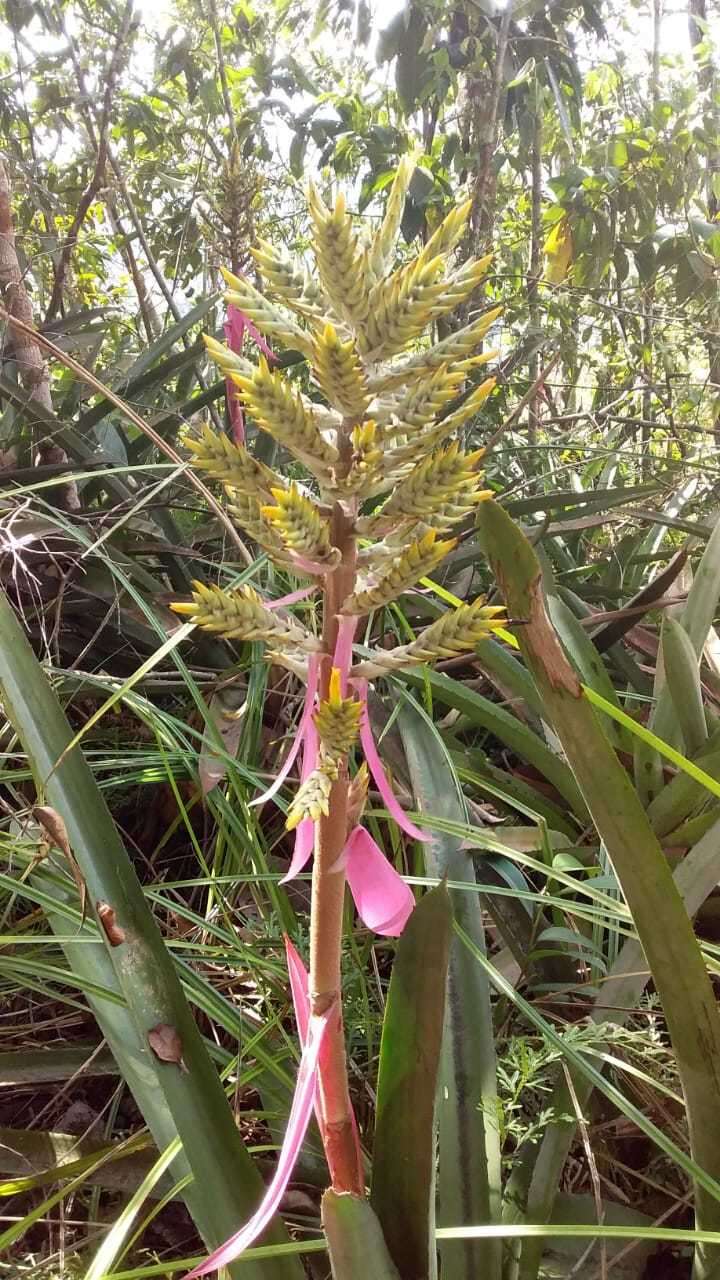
(108, 919)
(226, 709)
(166, 1044)
(54, 827)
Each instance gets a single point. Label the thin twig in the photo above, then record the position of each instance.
(515, 413)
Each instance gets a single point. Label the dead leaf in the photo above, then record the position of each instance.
(54, 827)
(166, 1044)
(226, 709)
(108, 919)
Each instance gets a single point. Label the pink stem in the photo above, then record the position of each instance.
(342, 658)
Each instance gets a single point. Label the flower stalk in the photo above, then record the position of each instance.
(378, 434)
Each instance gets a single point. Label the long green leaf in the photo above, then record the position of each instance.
(469, 1171)
(585, 658)
(404, 1148)
(663, 925)
(355, 1240)
(682, 673)
(516, 735)
(227, 1186)
(697, 617)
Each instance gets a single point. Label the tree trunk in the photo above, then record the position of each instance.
(33, 372)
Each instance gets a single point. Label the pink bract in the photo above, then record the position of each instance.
(236, 326)
(342, 658)
(300, 736)
(300, 1112)
(305, 833)
(378, 772)
(383, 900)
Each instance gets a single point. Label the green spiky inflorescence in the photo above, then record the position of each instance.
(339, 371)
(457, 631)
(337, 720)
(382, 434)
(414, 562)
(312, 798)
(301, 527)
(241, 615)
(445, 482)
(232, 464)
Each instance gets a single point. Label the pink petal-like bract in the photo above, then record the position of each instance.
(305, 720)
(259, 340)
(342, 658)
(314, 568)
(235, 326)
(300, 1112)
(382, 898)
(302, 852)
(305, 832)
(299, 985)
(284, 601)
(378, 773)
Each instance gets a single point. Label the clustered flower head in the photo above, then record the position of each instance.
(386, 482)
(384, 431)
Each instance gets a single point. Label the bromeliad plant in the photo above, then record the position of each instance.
(385, 426)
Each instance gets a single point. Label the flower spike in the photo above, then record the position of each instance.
(373, 425)
(241, 615)
(416, 561)
(303, 530)
(337, 719)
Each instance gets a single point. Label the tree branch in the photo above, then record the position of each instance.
(121, 45)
